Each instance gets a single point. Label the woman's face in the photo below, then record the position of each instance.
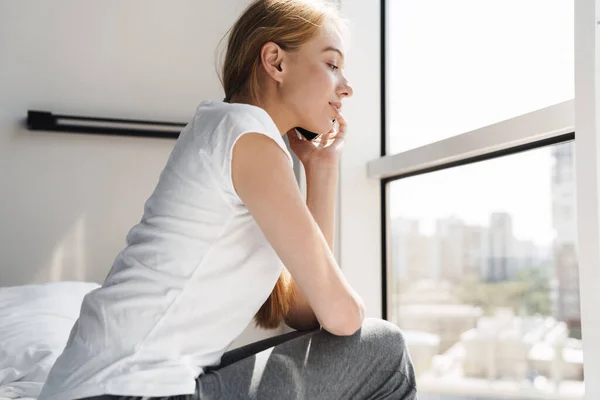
(314, 82)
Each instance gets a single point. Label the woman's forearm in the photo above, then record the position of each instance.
(321, 190)
(321, 193)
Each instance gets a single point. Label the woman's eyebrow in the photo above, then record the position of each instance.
(331, 48)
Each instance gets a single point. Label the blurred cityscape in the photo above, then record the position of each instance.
(487, 315)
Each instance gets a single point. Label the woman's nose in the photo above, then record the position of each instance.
(345, 90)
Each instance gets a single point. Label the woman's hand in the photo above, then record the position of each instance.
(324, 151)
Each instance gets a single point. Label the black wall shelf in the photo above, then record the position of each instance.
(47, 121)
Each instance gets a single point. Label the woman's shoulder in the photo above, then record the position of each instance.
(236, 113)
(230, 120)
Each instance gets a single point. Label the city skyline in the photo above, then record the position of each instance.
(456, 250)
(519, 184)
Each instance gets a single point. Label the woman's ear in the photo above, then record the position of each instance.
(272, 57)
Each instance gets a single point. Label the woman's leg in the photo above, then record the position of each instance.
(374, 363)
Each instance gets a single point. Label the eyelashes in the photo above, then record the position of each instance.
(333, 67)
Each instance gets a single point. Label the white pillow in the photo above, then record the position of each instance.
(35, 322)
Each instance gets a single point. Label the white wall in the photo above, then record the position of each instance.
(67, 201)
(360, 211)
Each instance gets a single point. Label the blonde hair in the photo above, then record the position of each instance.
(289, 23)
(277, 306)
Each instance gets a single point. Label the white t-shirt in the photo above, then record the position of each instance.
(195, 271)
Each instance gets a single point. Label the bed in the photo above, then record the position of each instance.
(35, 322)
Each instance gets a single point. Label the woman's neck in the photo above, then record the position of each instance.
(276, 111)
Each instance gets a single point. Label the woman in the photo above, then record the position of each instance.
(225, 218)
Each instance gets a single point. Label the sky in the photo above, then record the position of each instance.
(454, 66)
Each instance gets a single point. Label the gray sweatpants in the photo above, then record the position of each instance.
(374, 364)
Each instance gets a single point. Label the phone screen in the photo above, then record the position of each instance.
(306, 133)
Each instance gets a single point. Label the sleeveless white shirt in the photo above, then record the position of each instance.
(195, 271)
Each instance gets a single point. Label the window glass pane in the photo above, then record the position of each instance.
(484, 277)
(455, 66)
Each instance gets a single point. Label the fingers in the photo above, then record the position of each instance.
(340, 133)
(323, 140)
(341, 120)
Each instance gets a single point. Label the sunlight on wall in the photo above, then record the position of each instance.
(69, 258)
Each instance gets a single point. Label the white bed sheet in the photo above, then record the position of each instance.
(35, 322)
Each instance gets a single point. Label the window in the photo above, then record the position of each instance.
(479, 197)
(483, 277)
(454, 66)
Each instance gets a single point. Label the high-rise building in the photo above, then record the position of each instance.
(450, 245)
(501, 250)
(477, 251)
(412, 253)
(564, 220)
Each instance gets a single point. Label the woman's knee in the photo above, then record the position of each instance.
(386, 336)
(390, 347)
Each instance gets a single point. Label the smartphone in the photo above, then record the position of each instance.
(306, 133)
